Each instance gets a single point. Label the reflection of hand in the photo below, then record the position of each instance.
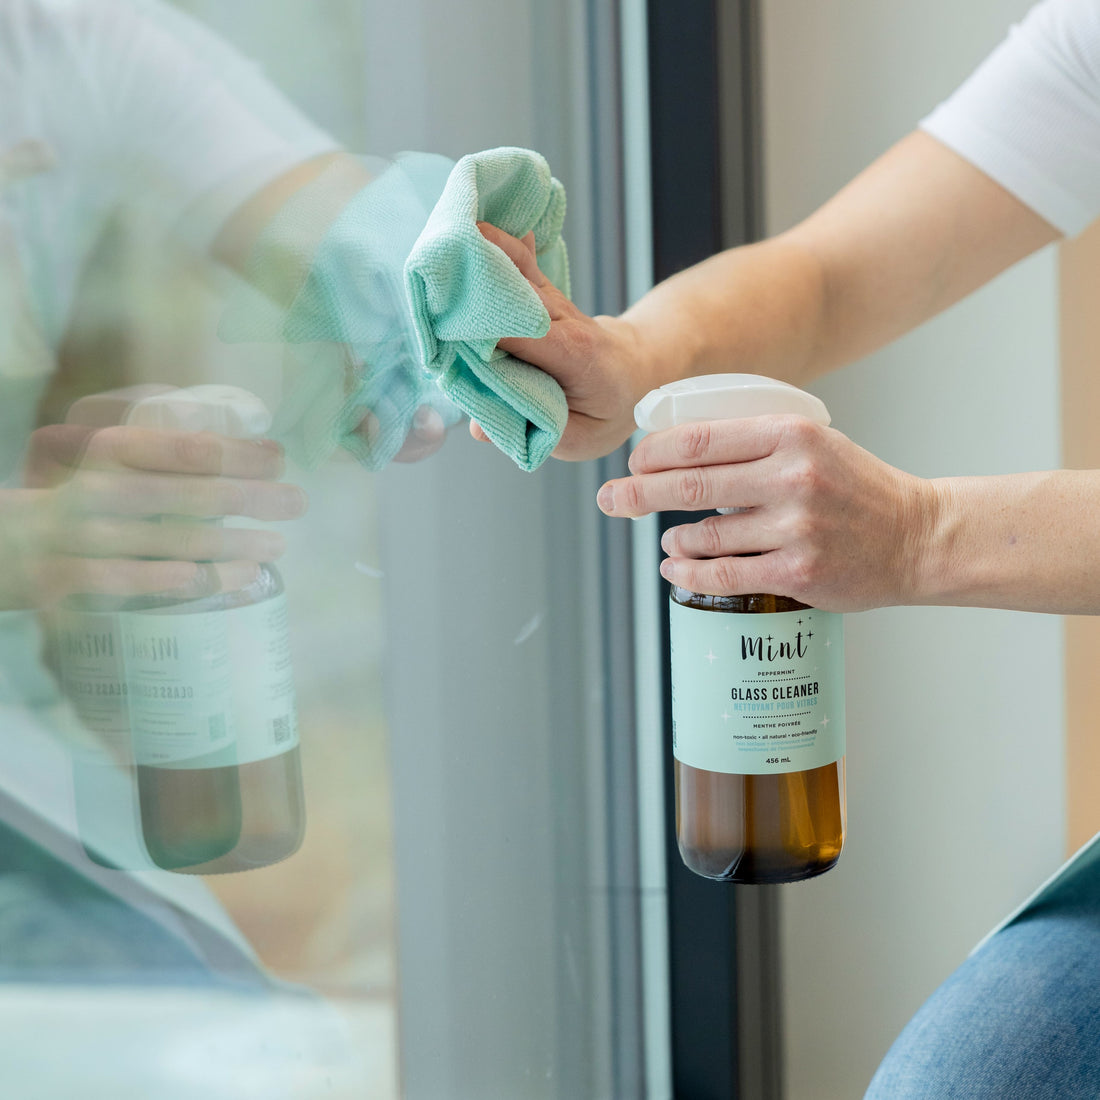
(596, 360)
(427, 433)
(827, 523)
(119, 510)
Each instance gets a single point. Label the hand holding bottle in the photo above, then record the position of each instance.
(826, 523)
(120, 510)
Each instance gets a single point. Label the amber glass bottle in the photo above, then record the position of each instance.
(758, 828)
(239, 804)
(757, 689)
(190, 757)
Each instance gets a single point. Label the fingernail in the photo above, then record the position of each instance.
(666, 569)
(666, 540)
(426, 418)
(294, 500)
(605, 498)
(272, 546)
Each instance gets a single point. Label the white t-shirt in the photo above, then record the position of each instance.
(107, 103)
(1029, 116)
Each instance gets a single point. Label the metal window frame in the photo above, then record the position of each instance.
(706, 166)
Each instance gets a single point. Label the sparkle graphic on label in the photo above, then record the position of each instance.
(712, 656)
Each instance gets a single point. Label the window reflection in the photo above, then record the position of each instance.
(228, 666)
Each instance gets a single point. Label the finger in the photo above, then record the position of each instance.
(716, 442)
(62, 576)
(726, 576)
(688, 490)
(52, 453)
(521, 253)
(426, 437)
(140, 494)
(478, 432)
(176, 540)
(718, 536)
(183, 453)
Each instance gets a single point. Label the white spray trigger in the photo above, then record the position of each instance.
(725, 397)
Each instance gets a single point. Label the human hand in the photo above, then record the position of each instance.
(118, 511)
(427, 433)
(598, 361)
(825, 522)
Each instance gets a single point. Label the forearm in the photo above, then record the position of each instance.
(918, 230)
(334, 179)
(1027, 542)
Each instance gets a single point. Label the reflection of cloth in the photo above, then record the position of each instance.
(1029, 117)
(466, 294)
(1021, 1017)
(350, 342)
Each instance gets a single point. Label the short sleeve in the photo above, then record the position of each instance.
(1029, 116)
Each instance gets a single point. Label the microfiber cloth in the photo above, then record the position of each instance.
(465, 294)
(349, 345)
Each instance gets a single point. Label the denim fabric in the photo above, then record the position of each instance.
(1019, 1020)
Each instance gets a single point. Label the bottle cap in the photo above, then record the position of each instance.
(227, 410)
(724, 397)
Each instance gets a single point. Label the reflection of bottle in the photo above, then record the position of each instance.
(757, 692)
(192, 756)
(212, 710)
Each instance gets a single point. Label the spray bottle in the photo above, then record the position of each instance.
(757, 692)
(206, 690)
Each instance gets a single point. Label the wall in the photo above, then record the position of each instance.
(955, 746)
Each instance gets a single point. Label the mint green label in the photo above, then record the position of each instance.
(180, 689)
(757, 694)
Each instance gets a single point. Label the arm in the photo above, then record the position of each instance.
(837, 528)
(915, 232)
(829, 523)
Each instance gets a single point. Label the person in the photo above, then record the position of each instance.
(1007, 165)
(128, 112)
(117, 110)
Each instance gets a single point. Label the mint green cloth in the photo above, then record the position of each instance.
(465, 294)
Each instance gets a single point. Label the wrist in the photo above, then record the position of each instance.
(930, 550)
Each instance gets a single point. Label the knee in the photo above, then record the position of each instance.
(1020, 1019)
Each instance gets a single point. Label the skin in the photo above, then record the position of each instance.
(829, 523)
(120, 510)
(345, 175)
(117, 510)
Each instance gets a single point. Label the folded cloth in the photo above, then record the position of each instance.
(465, 294)
(338, 258)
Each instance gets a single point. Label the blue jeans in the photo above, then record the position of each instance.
(1019, 1020)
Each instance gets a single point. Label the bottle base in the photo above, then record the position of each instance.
(747, 870)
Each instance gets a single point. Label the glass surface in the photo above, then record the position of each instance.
(305, 746)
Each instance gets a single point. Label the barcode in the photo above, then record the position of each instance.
(217, 727)
(281, 728)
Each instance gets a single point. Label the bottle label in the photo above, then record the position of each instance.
(93, 677)
(757, 694)
(210, 689)
(263, 682)
(180, 685)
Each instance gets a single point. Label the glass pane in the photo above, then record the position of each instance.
(353, 823)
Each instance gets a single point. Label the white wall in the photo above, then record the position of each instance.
(955, 742)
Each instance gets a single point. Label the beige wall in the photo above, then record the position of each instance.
(956, 748)
(1079, 275)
